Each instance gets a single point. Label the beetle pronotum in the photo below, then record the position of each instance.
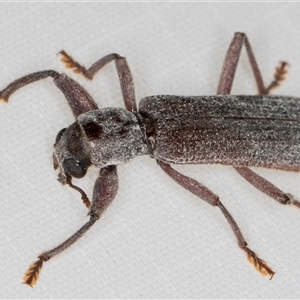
(237, 130)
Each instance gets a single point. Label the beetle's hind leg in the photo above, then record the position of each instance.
(224, 87)
(279, 77)
(267, 187)
(231, 61)
(207, 195)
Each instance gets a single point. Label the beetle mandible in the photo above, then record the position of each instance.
(237, 130)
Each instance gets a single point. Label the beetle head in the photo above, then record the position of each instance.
(70, 154)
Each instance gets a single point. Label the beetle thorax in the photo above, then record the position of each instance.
(112, 136)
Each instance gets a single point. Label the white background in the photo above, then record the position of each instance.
(156, 240)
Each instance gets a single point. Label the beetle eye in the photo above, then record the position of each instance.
(74, 168)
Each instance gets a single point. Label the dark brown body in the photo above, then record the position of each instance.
(237, 130)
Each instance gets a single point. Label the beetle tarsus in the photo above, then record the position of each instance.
(32, 274)
(259, 264)
(70, 63)
(279, 76)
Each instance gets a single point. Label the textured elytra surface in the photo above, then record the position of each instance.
(238, 130)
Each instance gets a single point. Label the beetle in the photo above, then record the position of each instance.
(237, 130)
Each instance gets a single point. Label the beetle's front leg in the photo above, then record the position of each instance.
(207, 195)
(105, 190)
(124, 73)
(79, 99)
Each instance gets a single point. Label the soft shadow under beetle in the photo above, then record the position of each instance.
(237, 130)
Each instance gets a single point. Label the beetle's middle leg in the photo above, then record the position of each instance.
(207, 195)
(224, 87)
(124, 73)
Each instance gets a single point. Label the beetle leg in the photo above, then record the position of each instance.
(267, 187)
(17, 84)
(124, 73)
(225, 84)
(79, 99)
(207, 195)
(105, 190)
(231, 62)
(230, 65)
(279, 76)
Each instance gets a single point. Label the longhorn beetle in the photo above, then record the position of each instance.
(237, 130)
